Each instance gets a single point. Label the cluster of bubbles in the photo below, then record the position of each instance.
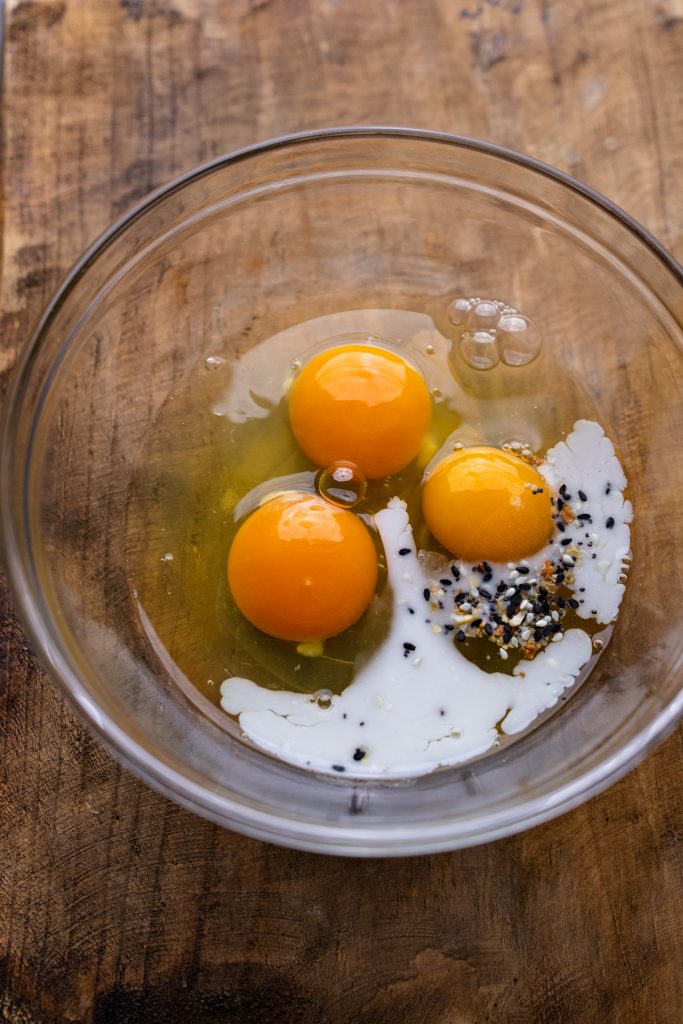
(521, 448)
(342, 484)
(491, 332)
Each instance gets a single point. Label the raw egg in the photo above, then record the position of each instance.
(301, 569)
(363, 404)
(484, 503)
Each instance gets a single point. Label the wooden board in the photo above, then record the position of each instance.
(115, 905)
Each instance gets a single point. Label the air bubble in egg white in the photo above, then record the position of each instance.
(458, 311)
(323, 698)
(483, 316)
(342, 484)
(519, 339)
(213, 362)
(168, 557)
(295, 365)
(479, 350)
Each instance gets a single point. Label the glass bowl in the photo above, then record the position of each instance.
(260, 240)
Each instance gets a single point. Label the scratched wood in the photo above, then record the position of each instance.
(115, 905)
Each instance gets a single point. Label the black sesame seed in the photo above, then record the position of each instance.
(358, 754)
(538, 635)
(543, 592)
(411, 611)
(560, 504)
(565, 541)
(594, 556)
(547, 630)
(524, 586)
(511, 609)
(559, 577)
(507, 635)
(563, 489)
(561, 602)
(455, 571)
(584, 516)
(460, 635)
(594, 611)
(446, 583)
(338, 768)
(361, 723)
(536, 607)
(608, 488)
(560, 525)
(344, 715)
(404, 551)
(485, 566)
(610, 523)
(408, 646)
(426, 594)
(475, 624)
(487, 577)
(485, 593)
(582, 496)
(442, 712)
(573, 603)
(523, 570)
(488, 629)
(537, 490)
(448, 627)
(582, 590)
(555, 627)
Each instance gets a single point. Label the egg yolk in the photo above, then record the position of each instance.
(484, 503)
(302, 569)
(363, 404)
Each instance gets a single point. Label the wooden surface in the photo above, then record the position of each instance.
(115, 905)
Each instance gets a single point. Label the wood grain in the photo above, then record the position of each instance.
(116, 906)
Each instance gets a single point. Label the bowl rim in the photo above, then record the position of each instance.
(381, 840)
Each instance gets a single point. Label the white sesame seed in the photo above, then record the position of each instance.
(567, 560)
(416, 661)
(542, 622)
(532, 581)
(530, 617)
(525, 634)
(555, 616)
(558, 636)
(510, 592)
(517, 620)
(465, 606)
(436, 628)
(503, 654)
(524, 605)
(513, 575)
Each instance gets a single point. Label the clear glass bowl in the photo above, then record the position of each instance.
(272, 236)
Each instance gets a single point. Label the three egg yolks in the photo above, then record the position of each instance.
(360, 403)
(302, 569)
(485, 503)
